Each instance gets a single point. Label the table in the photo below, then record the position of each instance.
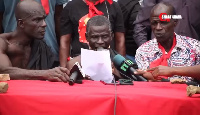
(33, 97)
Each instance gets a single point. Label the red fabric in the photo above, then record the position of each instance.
(163, 59)
(69, 58)
(93, 11)
(45, 4)
(82, 28)
(156, 98)
(110, 1)
(32, 97)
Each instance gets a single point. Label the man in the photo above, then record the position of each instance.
(53, 10)
(168, 48)
(73, 25)
(98, 34)
(188, 26)
(130, 10)
(25, 49)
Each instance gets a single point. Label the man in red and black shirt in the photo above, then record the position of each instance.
(73, 26)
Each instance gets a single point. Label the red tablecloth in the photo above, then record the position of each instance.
(26, 97)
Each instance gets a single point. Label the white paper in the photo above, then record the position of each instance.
(97, 65)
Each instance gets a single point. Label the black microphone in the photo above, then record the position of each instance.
(76, 73)
(126, 66)
(194, 83)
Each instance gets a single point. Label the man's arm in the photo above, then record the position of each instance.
(5, 61)
(64, 49)
(143, 63)
(66, 30)
(56, 74)
(119, 31)
(58, 10)
(120, 43)
(191, 71)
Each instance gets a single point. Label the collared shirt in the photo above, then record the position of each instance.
(189, 25)
(185, 53)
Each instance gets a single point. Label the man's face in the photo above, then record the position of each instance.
(162, 30)
(34, 26)
(99, 36)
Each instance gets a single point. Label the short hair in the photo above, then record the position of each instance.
(173, 11)
(27, 8)
(98, 20)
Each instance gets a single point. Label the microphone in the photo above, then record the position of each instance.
(195, 83)
(76, 73)
(100, 49)
(126, 66)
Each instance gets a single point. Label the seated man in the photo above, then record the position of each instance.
(25, 49)
(168, 48)
(98, 34)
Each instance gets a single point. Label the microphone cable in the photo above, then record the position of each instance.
(115, 103)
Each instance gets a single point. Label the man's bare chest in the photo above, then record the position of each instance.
(18, 55)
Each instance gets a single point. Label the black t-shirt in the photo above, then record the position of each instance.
(130, 10)
(76, 9)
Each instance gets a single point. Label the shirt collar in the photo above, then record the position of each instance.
(178, 45)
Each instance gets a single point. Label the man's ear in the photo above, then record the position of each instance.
(20, 23)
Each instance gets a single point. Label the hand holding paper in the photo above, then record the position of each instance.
(97, 64)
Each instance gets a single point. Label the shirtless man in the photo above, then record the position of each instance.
(16, 47)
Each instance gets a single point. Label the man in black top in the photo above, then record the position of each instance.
(129, 9)
(70, 20)
(98, 34)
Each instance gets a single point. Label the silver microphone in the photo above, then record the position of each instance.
(100, 49)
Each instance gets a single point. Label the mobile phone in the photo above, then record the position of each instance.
(125, 82)
(117, 83)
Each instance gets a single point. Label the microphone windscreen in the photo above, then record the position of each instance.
(100, 48)
(117, 60)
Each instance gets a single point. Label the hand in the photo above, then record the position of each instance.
(145, 74)
(57, 74)
(87, 77)
(161, 71)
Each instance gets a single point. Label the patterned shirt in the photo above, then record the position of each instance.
(185, 53)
